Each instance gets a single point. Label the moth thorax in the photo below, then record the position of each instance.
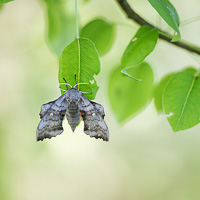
(73, 102)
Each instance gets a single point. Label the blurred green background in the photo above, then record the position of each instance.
(143, 160)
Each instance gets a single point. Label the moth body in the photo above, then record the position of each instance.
(72, 113)
(73, 104)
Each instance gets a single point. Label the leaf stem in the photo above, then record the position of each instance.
(162, 35)
(77, 26)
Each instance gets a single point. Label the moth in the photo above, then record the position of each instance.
(75, 106)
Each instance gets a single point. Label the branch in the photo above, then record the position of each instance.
(162, 35)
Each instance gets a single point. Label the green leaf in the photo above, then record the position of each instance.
(191, 70)
(127, 97)
(159, 88)
(167, 11)
(86, 1)
(142, 44)
(159, 92)
(61, 25)
(4, 1)
(101, 33)
(181, 101)
(80, 58)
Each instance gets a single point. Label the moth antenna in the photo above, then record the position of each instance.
(62, 89)
(66, 84)
(76, 83)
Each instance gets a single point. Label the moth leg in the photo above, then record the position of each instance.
(86, 92)
(65, 84)
(76, 84)
(80, 84)
(62, 89)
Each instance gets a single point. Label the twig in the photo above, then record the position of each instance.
(162, 35)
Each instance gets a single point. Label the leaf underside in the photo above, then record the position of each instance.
(80, 58)
(181, 101)
(141, 45)
(159, 88)
(128, 97)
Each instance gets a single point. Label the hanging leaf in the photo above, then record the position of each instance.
(142, 44)
(159, 89)
(80, 58)
(4, 1)
(101, 33)
(181, 101)
(61, 25)
(167, 11)
(159, 92)
(127, 97)
(191, 70)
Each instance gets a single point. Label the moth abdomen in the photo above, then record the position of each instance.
(73, 116)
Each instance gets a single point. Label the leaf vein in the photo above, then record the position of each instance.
(187, 97)
(79, 62)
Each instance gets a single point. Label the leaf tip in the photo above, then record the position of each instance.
(177, 36)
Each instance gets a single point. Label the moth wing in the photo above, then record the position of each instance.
(99, 108)
(52, 115)
(45, 107)
(94, 124)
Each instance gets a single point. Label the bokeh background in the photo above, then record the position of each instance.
(143, 160)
